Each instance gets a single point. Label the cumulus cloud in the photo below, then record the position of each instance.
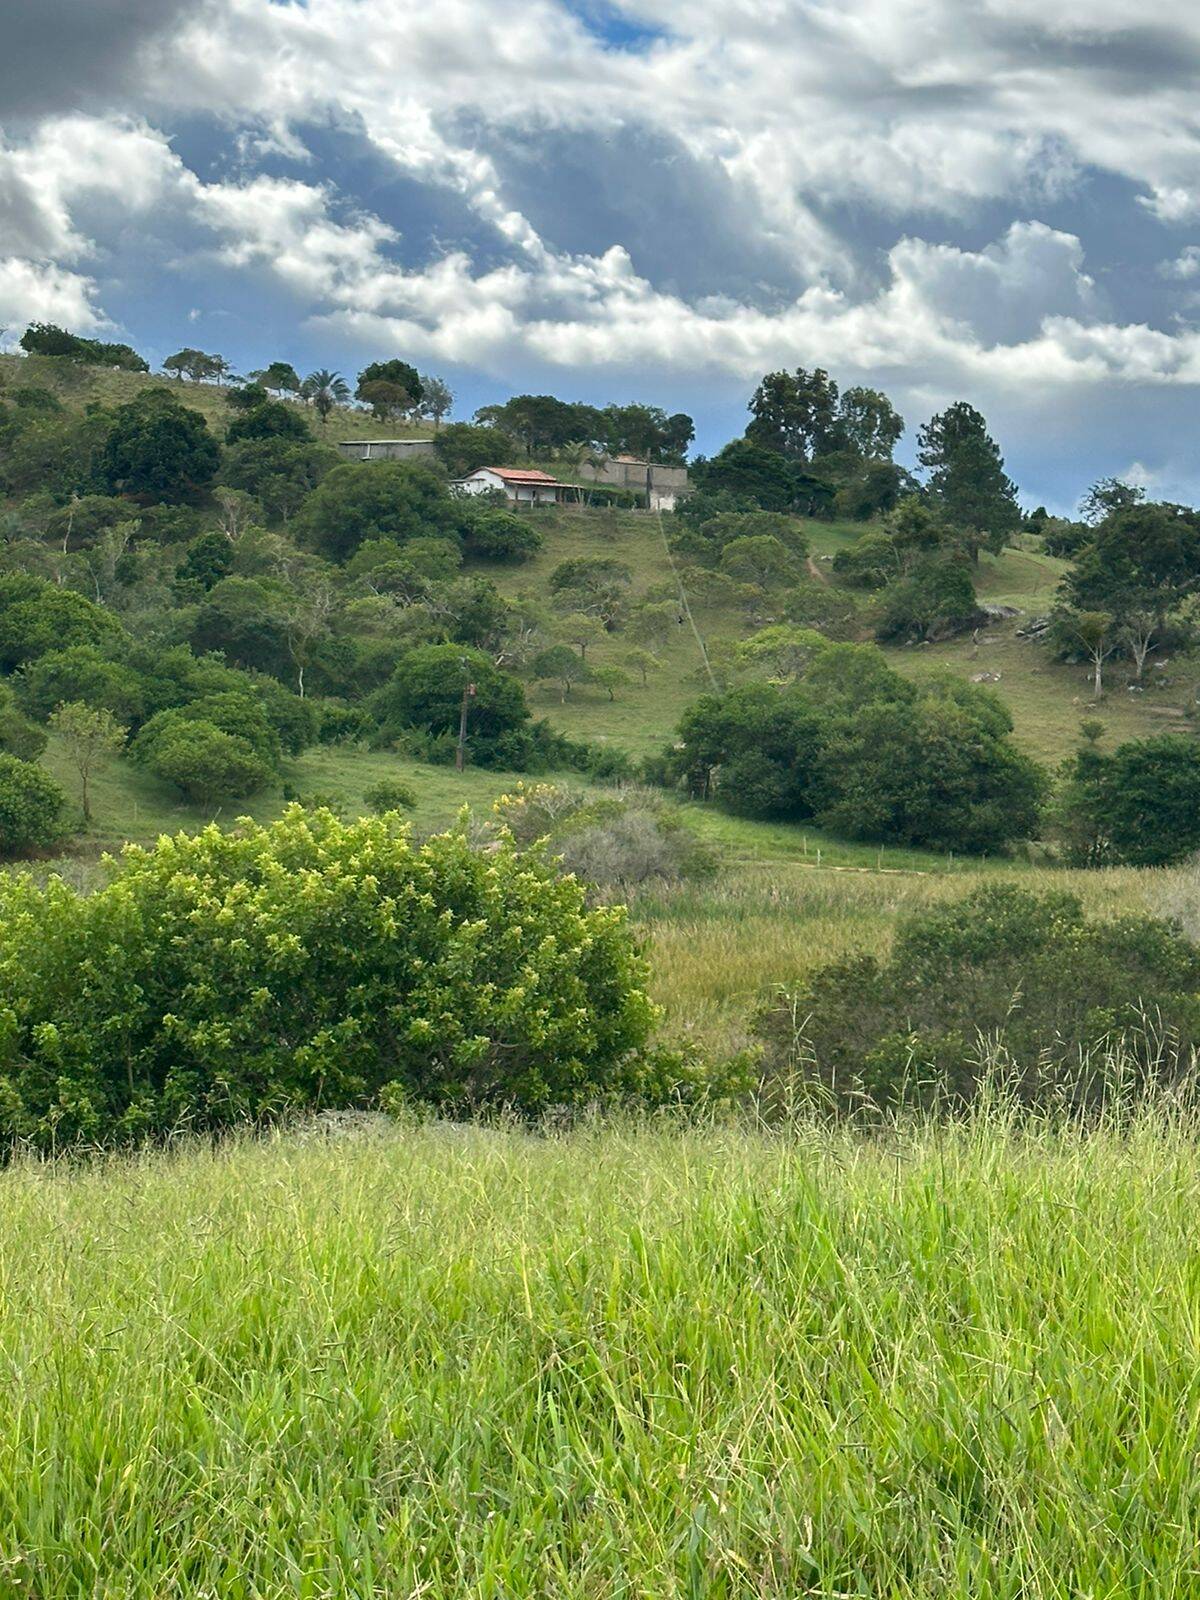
(882, 186)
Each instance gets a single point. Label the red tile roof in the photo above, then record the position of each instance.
(522, 475)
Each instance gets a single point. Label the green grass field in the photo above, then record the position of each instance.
(644, 1361)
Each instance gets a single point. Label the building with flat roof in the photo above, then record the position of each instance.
(384, 449)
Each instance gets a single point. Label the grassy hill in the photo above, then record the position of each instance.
(77, 386)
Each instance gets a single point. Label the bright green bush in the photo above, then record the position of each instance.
(310, 963)
(31, 807)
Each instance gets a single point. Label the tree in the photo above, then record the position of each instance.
(795, 414)
(270, 420)
(581, 630)
(246, 397)
(306, 613)
(1108, 495)
(324, 391)
(209, 559)
(37, 617)
(611, 678)
(92, 737)
(751, 472)
(464, 447)
(31, 808)
(159, 450)
(436, 399)
(761, 560)
(1140, 565)
(279, 473)
(1093, 629)
(967, 479)
(426, 691)
(245, 620)
(643, 662)
(394, 386)
(869, 423)
(280, 378)
(492, 534)
(82, 673)
(933, 600)
(43, 338)
(206, 765)
(374, 500)
(1139, 806)
(562, 665)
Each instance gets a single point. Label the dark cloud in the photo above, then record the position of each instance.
(71, 55)
(689, 230)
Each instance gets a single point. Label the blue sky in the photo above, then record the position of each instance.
(993, 200)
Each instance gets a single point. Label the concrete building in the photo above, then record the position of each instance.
(524, 486)
(384, 449)
(663, 486)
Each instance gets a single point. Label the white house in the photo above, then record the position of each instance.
(522, 485)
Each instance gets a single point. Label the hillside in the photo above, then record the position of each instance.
(79, 386)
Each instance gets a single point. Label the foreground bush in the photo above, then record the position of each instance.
(1004, 976)
(310, 963)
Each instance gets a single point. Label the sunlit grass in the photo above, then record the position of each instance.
(633, 1361)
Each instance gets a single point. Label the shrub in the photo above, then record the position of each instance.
(492, 534)
(426, 691)
(375, 500)
(18, 736)
(934, 601)
(203, 762)
(159, 449)
(1140, 805)
(390, 794)
(31, 808)
(309, 963)
(1005, 975)
(270, 419)
(37, 617)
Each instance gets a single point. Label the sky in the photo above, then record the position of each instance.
(989, 200)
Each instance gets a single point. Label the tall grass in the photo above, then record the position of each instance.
(623, 1361)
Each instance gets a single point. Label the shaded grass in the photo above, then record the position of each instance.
(625, 1362)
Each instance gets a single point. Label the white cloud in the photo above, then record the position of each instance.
(41, 292)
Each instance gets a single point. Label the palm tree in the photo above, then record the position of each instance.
(325, 390)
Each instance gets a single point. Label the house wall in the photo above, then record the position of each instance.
(520, 494)
(384, 449)
(667, 485)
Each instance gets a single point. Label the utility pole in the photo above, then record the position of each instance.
(460, 754)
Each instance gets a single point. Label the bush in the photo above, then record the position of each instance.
(270, 419)
(37, 617)
(159, 450)
(1003, 975)
(310, 963)
(1139, 806)
(934, 601)
(856, 747)
(426, 691)
(203, 762)
(390, 794)
(18, 736)
(375, 500)
(31, 808)
(491, 534)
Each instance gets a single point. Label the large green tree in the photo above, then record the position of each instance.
(967, 480)
(159, 450)
(374, 500)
